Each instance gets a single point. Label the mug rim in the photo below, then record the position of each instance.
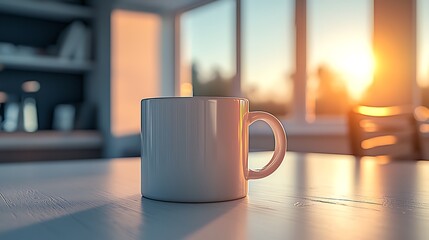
(197, 97)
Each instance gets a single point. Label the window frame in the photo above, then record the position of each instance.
(300, 121)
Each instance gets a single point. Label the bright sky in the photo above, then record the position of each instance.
(268, 51)
(339, 35)
(423, 42)
(208, 38)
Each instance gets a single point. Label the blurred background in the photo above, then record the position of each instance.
(73, 72)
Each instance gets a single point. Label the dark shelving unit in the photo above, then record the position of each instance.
(39, 24)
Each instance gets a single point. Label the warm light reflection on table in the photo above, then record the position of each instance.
(311, 196)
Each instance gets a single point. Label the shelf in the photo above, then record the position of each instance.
(46, 9)
(50, 140)
(44, 63)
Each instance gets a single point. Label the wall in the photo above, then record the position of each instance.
(142, 42)
(395, 49)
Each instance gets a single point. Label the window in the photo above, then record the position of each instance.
(423, 50)
(268, 60)
(340, 61)
(207, 50)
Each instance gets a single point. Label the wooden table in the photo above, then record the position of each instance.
(311, 196)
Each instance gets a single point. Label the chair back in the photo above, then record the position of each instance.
(421, 114)
(383, 131)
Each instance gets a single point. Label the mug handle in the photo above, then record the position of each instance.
(280, 146)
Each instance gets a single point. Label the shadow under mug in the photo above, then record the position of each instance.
(194, 149)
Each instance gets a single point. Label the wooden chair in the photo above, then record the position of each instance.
(421, 114)
(383, 131)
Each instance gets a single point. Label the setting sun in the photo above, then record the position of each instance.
(357, 69)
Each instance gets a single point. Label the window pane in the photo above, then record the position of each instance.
(423, 49)
(340, 59)
(268, 59)
(208, 50)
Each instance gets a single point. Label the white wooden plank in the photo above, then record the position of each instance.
(311, 196)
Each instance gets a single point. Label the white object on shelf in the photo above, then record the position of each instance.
(64, 117)
(82, 52)
(46, 9)
(74, 42)
(29, 112)
(11, 118)
(44, 63)
(69, 40)
(7, 48)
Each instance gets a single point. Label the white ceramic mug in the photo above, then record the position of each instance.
(194, 149)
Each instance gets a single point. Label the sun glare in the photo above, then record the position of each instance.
(357, 68)
(380, 111)
(379, 141)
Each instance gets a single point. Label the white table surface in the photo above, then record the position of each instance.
(311, 196)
